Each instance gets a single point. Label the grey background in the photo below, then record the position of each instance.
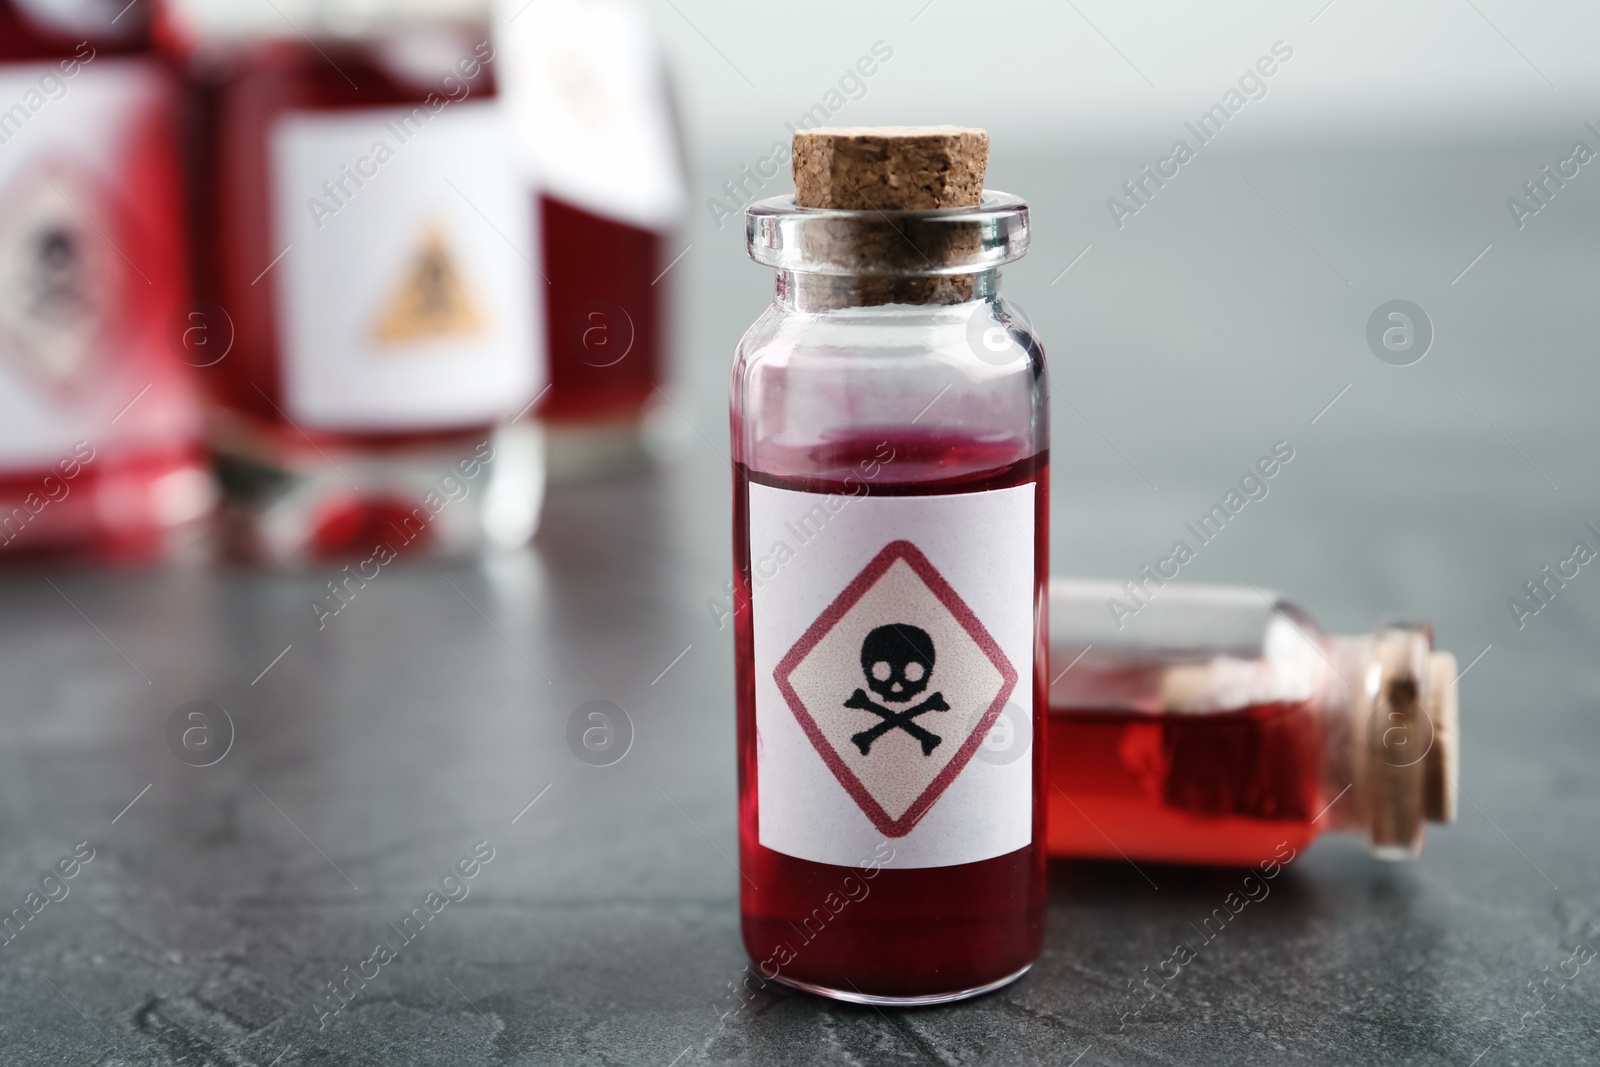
(1224, 317)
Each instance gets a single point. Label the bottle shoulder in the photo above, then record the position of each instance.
(983, 340)
(948, 377)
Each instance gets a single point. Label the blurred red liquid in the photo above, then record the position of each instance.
(605, 318)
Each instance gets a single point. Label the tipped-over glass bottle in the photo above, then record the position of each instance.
(890, 505)
(1214, 723)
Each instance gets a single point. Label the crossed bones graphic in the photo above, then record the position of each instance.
(898, 662)
(893, 720)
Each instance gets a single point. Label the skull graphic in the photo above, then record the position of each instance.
(897, 660)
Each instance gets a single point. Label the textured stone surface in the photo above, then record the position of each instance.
(605, 930)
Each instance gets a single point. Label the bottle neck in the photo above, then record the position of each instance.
(797, 291)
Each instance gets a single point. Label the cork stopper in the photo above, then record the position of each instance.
(1407, 734)
(882, 170)
(890, 168)
(1442, 767)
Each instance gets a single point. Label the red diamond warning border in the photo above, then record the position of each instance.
(912, 555)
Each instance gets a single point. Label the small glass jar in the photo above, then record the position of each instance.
(366, 252)
(99, 426)
(599, 140)
(890, 448)
(1213, 724)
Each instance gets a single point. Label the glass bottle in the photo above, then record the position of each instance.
(1211, 724)
(890, 452)
(366, 253)
(597, 136)
(99, 429)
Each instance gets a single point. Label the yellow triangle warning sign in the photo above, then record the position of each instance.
(432, 300)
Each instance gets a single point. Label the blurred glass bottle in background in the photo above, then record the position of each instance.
(362, 243)
(99, 449)
(1210, 724)
(597, 138)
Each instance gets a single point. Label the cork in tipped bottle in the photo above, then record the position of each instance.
(890, 168)
(1441, 769)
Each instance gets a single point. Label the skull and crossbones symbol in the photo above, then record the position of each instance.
(898, 662)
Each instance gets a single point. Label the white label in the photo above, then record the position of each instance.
(406, 297)
(589, 112)
(893, 636)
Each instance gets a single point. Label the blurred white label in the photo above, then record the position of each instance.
(586, 94)
(83, 288)
(309, 18)
(405, 293)
(890, 633)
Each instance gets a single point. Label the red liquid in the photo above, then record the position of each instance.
(603, 315)
(351, 525)
(1216, 787)
(917, 932)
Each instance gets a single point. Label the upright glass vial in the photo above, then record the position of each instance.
(365, 246)
(890, 453)
(597, 135)
(1213, 724)
(99, 428)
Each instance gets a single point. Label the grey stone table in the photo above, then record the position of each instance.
(431, 714)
